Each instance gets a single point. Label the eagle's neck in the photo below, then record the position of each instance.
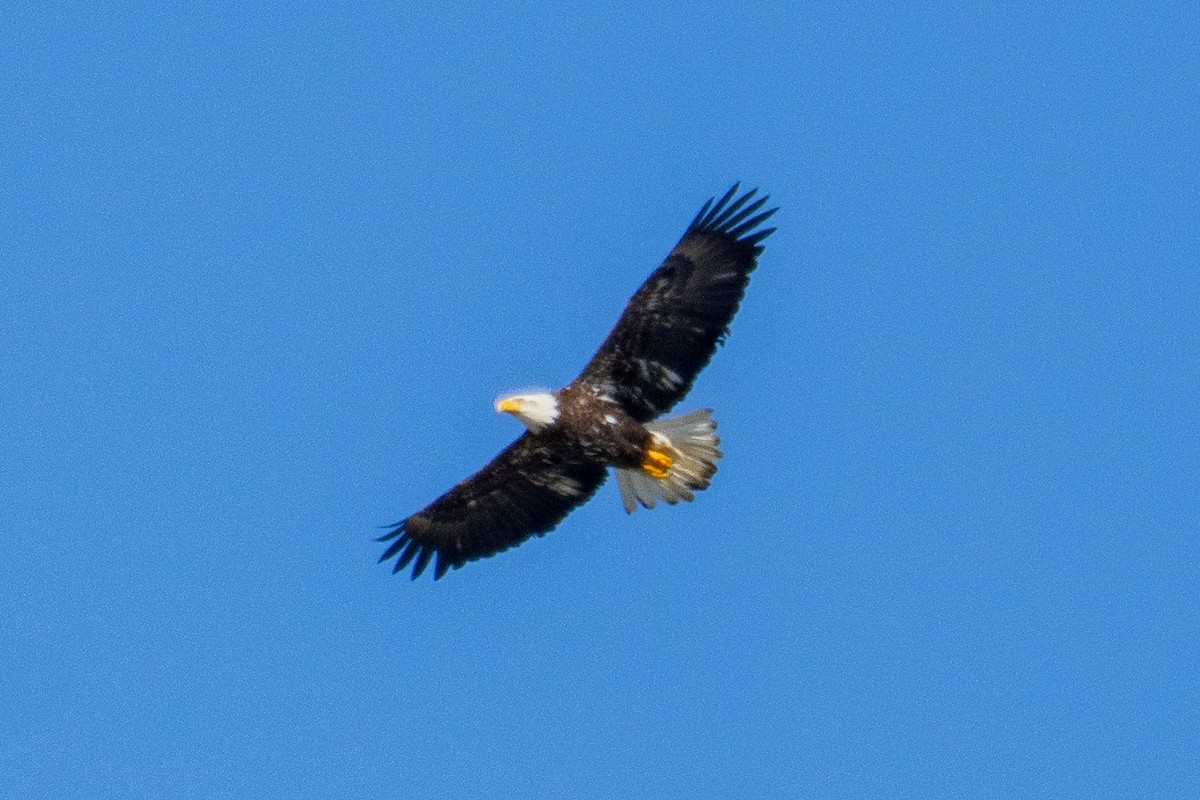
(540, 414)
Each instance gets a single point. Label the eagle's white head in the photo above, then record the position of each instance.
(536, 410)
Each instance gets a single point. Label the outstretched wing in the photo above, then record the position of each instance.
(674, 322)
(525, 491)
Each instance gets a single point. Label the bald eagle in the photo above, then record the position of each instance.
(609, 416)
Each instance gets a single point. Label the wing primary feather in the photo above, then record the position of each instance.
(396, 528)
(712, 214)
(758, 237)
(422, 562)
(406, 556)
(395, 546)
(724, 218)
(751, 223)
(703, 210)
(725, 199)
(728, 225)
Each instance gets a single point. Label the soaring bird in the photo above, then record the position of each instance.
(611, 415)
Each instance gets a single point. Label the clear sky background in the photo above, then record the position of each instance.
(264, 268)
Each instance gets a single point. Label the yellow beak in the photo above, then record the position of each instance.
(508, 404)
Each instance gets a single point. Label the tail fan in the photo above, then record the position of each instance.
(691, 441)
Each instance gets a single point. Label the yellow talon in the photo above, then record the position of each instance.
(657, 464)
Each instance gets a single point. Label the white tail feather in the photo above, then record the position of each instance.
(691, 441)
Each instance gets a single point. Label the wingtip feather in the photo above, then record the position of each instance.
(401, 537)
(410, 550)
(723, 219)
(422, 561)
(737, 218)
(695, 223)
(750, 224)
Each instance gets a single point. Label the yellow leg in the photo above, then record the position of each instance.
(656, 464)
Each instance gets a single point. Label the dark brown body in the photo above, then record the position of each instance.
(600, 428)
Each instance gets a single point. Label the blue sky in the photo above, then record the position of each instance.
(265, 269)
